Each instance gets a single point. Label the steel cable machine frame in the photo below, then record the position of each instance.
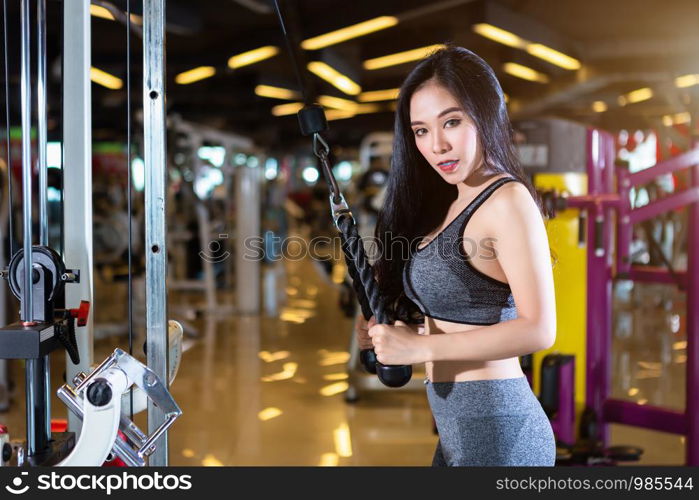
(41, 325)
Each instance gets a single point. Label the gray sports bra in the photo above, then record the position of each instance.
(442, 282)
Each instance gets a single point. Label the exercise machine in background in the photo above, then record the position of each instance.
(607, 241)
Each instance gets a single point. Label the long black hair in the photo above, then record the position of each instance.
(417, 198)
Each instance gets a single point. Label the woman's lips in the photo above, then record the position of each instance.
(448, 166)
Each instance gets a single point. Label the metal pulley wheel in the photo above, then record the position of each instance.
(41, 256)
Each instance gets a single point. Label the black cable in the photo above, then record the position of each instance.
(61, 218)
(292, 53)
(128, 184)
(7, 130)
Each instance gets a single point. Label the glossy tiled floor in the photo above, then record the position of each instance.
(269, 389)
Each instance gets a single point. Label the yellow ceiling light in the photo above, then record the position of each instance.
(344, 108)
(101, 12)
(338, 103)
(105, 79)
(686, 81)
(334, 77)
(368, 108)
(524, 72)
(379, 95)
(194, 75)
(276, 92)
(638, 95)
(252, 56)
(287, 109)
(354, 31)
(553, 56)
(401, 57)
(136, 19)
(599, 106)
(360, 109)
(499, 35)
(338, 114)
(676, 119)
(536, 49)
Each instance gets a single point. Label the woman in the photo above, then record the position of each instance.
(477, 246)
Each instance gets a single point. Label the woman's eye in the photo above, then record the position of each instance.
(420, 132)
(453, 122)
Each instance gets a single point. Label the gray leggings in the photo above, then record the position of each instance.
(490, 423)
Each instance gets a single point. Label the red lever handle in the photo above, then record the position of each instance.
(81, 313)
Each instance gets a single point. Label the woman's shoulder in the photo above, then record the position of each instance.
(507, 202)
(511, 201)
(513, 191)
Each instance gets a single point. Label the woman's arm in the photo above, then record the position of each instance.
(522, 250)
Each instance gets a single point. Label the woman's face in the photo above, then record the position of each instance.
(444, 133)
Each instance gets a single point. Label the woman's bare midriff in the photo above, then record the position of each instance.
(461, 371)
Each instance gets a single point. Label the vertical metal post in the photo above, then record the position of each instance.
(25, 82)
(35, 390)
(42, 119)
(598, 287)
(624, 226)
(590, 343)
(38, 415)
(692, 389)
(77, 161)
(156, 251)
(247, 267)
(607, 158)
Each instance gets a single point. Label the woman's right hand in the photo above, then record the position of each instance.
(362, 331)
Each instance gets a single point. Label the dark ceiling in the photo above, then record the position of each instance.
(622, 44)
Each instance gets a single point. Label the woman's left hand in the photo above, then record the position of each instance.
(398, 344)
